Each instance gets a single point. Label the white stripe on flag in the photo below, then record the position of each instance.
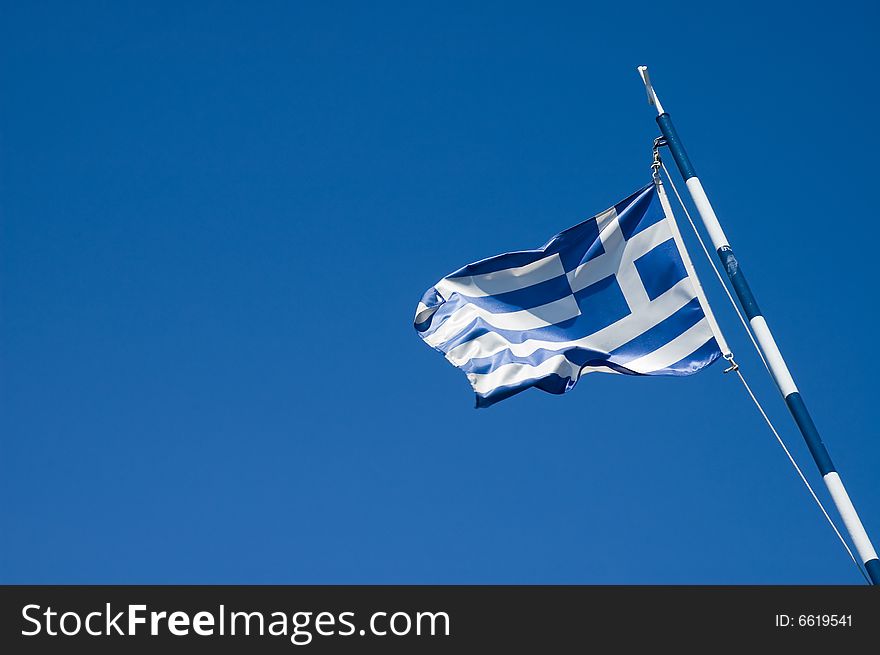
(508, 279)
(674, 351)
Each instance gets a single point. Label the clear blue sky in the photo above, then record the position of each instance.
(216, 220)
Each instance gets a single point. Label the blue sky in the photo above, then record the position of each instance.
(216, 220)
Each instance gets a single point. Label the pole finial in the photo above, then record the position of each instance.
(652, 95)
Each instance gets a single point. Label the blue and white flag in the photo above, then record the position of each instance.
(611, 294)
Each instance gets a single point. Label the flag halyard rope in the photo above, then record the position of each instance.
(735, 367)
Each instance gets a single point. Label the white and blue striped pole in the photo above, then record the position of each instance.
(775, 362)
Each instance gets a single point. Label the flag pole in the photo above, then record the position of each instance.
(775, 363)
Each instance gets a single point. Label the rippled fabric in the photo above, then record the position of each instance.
(610, 294)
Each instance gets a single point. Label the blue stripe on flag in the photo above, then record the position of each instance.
(699, 359)
(527, 298)
(552, 383)
(661, 334)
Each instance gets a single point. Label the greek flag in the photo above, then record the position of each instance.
(611, 294)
